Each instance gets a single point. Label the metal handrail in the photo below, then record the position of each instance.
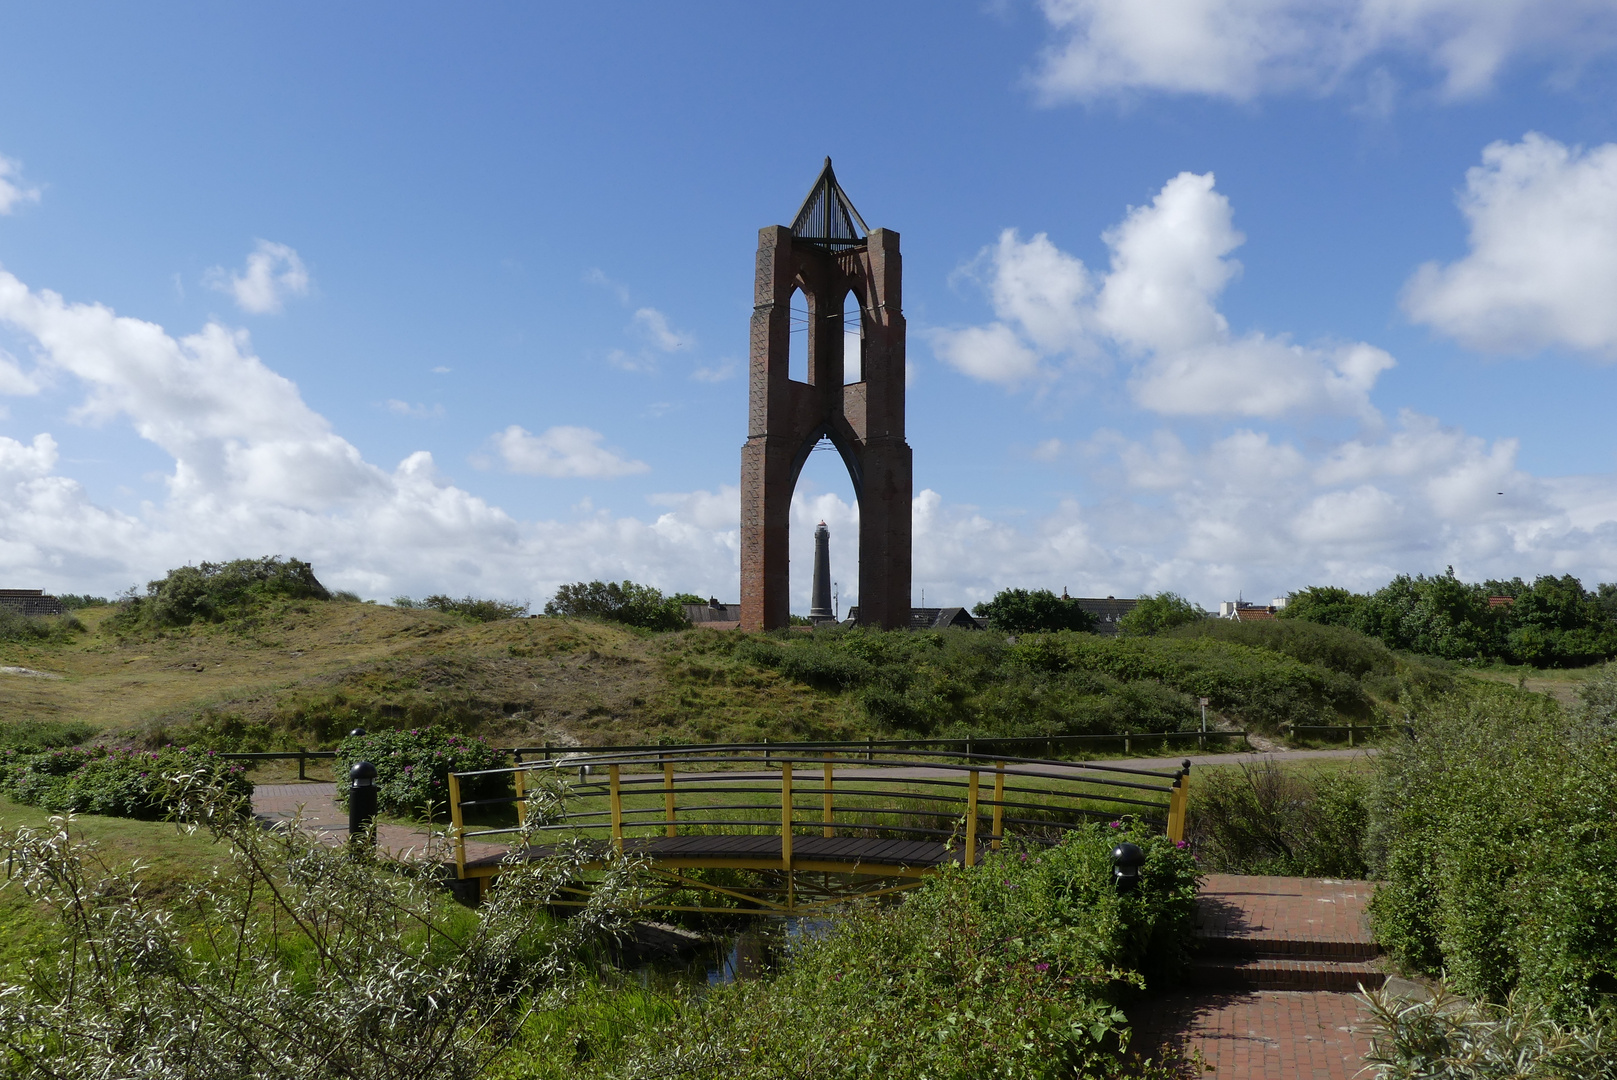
(778, 761)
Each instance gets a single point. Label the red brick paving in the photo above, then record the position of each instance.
(1299, 942)
(1266, 1035)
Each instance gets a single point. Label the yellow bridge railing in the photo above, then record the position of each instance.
(789, 809)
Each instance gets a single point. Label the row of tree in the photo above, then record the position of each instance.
(1554, 622)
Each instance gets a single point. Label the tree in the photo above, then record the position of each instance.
(636, 605)
(1326, 604)
(1020, 611)
(1154, 614)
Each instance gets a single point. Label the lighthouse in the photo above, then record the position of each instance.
(820, 604)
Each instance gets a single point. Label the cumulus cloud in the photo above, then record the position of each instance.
(1542, 269)
(273, 273)
(12, 189)
(1241, 49)
(1157, 309)
(418, 411)
(562, 452)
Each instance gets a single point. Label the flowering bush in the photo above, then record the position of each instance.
(413, 767)
(116, 781)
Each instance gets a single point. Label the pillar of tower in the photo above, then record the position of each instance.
(820, 602)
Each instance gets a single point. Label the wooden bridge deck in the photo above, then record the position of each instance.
(828, 854)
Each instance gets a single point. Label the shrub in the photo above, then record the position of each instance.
(1155, 614)
(296, 959)
(1336, 648)
(635, 605)
(1018, 611)
(413, 767)
(1494, 831)
(35, 735)
(470, 607)
(1262, 819)
(1013, 968)
(116, 782)
(37, 629)
(75, 601)
(213, 592)
(1450, 1038)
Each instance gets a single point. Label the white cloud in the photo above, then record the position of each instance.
(653, 325)
(12, 191)
(992, 353)
(718, 372)
(417, 411)
(274, 272)
(13, 380)
(1241, 49)
(1542, 269)
(1156, 308)
(562, 452)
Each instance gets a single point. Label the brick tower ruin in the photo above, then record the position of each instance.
(827, 255)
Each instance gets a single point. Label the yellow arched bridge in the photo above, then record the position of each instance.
(789, 829)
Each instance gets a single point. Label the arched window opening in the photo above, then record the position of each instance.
(797, 347)
(853, 340)
(825, 493)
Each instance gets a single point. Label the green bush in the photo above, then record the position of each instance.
(1494, 832)
(116, 782)
(36, 735)
(1262, 819)
(1336, 648)
(470, 607)
(634, 605)
(1018, 611)
(1450, 1038)
(1159, 613)
(413, 767)
(75, 601)
(1554, 622)
(37, 629)
(213, 592)
(1014, 968)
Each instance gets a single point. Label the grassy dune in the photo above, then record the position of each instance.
(303, 673)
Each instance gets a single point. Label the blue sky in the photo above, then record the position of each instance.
(1216, 296)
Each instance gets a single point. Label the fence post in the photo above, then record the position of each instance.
(1128, 742)
(457, 825)
(830, 829)
(999, 805)
(1179, 804)
(301, 759)
(870, 750)
(668, 795)
(615, 802)
(971, 818)
(547, 751)
(1350, 731)
(769, 755)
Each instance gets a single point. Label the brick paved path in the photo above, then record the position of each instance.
(321, 814)
(1272, 992)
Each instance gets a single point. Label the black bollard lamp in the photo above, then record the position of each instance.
(361, 800)
(1127, 859)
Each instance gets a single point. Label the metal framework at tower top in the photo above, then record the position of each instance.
(827, 255)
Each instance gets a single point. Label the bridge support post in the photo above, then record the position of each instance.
(971, 818)
(786, 831)
(999, 805)
(457, 825)
(520, 778)
(668, 796)
(830, 829)
(615, 802)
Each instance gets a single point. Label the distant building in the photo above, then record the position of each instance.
(1245, 611)
(31, 602)
(713, 615)
(1106, 611)
(930, 618)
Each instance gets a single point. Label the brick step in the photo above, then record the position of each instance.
(1286, 973)
(1253, 948)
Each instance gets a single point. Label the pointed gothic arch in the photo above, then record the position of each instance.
(826, 254)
